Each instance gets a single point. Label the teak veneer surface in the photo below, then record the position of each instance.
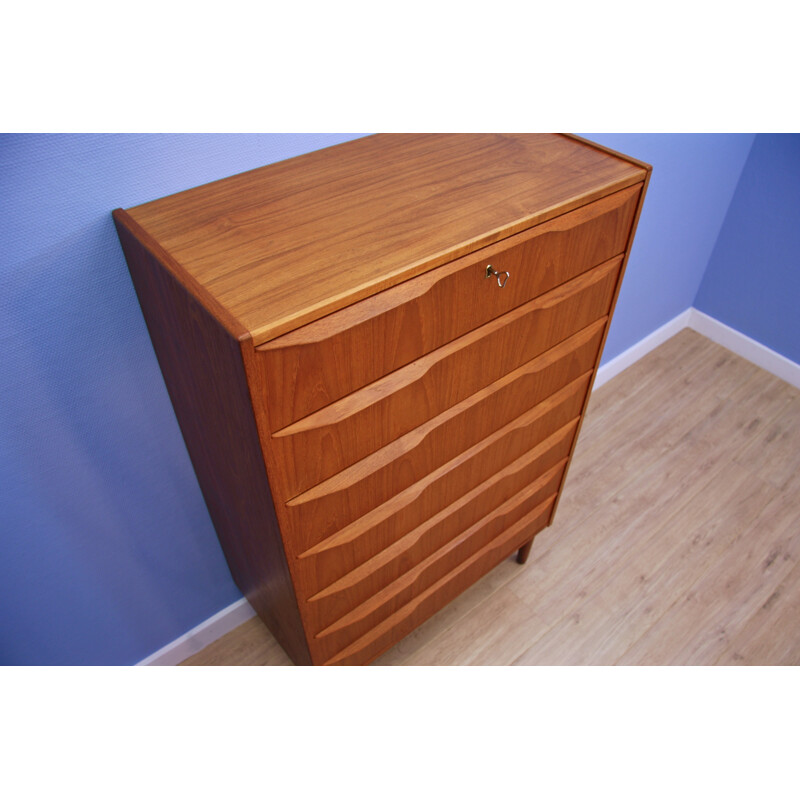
(327, 359)
(461, 425)
(364, 421)
(280, 246)
(343, 505)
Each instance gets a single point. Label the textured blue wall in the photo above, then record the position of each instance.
(106, 548)
(694, 177)
(753, 278)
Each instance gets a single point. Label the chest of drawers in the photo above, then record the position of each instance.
(379, 355)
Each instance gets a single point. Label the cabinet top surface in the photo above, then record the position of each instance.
(285, 244)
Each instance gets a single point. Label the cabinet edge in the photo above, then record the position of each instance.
(123, 220)
(609, 151)
(202, 365)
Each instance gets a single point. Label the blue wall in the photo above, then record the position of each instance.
(693, 181)
(106, 549)
(753, 278)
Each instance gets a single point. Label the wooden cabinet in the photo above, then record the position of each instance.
(380, 355)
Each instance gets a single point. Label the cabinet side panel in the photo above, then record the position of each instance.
(204, 374)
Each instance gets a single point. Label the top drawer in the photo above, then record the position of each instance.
(327, 359)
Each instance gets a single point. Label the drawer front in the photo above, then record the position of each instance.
(332, 357)
(351, 546)
(337, 600)
(435, 441)
(352, 428)
(445, 580)
(316, 515)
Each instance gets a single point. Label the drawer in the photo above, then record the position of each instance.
(438, 439)
(519, 480)
(329, 440)
(332, 357)
(376, 625)
(339, 505)
(419, 452)
(337, 554)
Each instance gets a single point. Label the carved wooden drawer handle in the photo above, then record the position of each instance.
(501, 281)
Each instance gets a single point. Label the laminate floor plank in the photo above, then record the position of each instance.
(755, 643)
(451, 615)
(683, 482)
(646, 581)
(775, 454)
(250, 644)
(646, 376)
(666, 373)
(697, 628)
(676, 541)
(735, 425)
(491, 636)
(652, 427)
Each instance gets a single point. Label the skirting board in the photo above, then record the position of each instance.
(744, 346)
(201, 636)
(237, 613)
(642, 348)
(713, 329)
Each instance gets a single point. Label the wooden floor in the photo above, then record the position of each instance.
(677, 540)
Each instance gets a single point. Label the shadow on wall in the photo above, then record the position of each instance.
(104, 523)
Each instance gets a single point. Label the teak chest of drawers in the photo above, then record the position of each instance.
(380, 355)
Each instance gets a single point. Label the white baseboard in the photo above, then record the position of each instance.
(642, 348)
(201, 636)
(240, 611)
(744, 346)
(713, 329)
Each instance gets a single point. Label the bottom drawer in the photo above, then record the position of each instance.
(401, 622)
(524, 478)
(539, 497)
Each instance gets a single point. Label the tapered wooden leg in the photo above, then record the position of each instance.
(524, 552)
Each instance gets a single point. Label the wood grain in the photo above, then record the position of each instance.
(387, 523)
(355, 426)
(648, 579)
(775, 455)
(661, 426)
(441, 437)
(319, 517)
(326, 360)
(604, 149)
(251, 644)
(391, 470)
(695, 626)
(769, 636)
(285, 244)
(425, 603)
(344, 565)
